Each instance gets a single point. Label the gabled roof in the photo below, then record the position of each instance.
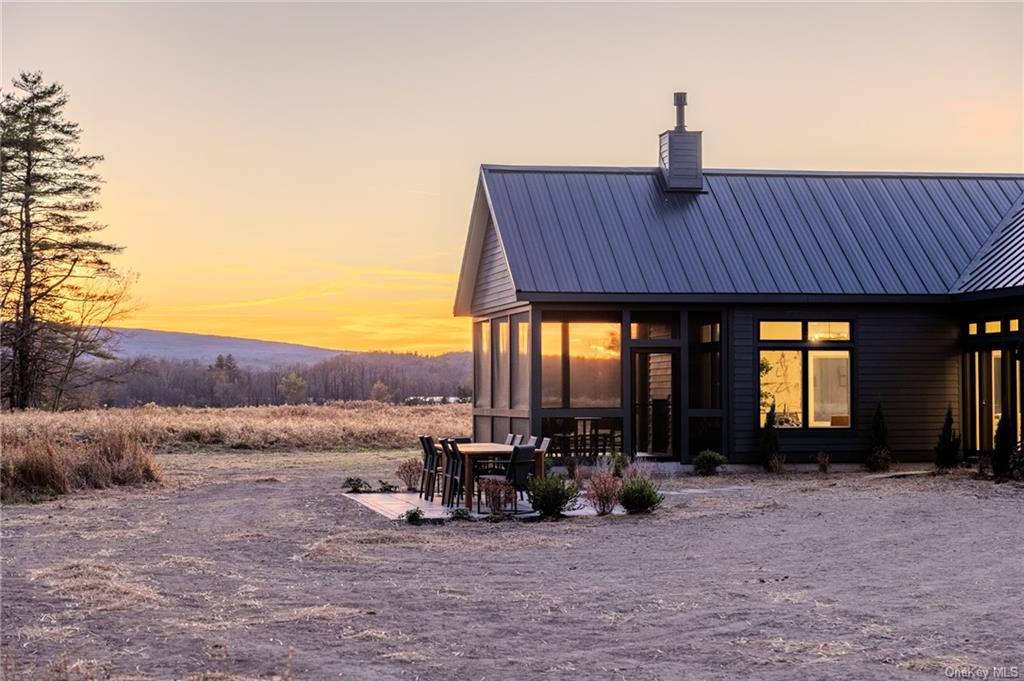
(608, 231)
(1000, 263)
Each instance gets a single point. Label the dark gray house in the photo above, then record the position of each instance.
(660, 311)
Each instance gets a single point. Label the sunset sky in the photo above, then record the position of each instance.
(305, 173)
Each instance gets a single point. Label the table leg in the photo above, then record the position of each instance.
(538, 464)
(468, 474)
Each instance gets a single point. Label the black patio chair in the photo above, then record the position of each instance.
(516, 440)
(509, 438)
(428, 479)
(517, 473)
(531, 441)
(454, 479)
(545, 445)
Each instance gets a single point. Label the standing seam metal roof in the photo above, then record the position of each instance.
(616, 230)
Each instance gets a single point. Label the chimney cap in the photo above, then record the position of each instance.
(680, 98)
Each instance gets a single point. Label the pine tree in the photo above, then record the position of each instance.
(55, 275)
(880, 457)
(947, 451)
(1004, 443)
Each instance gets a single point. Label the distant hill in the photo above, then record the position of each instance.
(249, 353)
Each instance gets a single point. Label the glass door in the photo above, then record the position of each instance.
(655, 414)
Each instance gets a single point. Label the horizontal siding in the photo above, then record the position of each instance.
(494, 288)
(905, 358)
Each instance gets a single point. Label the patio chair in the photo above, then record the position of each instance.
(516, 440)
(545, 444)
(451, 491)
(509, 438)
(428, 479)
(517, 473)
(531, 441)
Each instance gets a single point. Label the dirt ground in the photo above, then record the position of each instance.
(254, 566)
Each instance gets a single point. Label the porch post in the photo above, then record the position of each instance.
(626, 358)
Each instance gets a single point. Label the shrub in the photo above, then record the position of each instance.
(356, 485)
(33, 469)
(947, 451)
(409, 472)
(460, 513)
(603, 492)
(640, 494)
(386, 487)
(620, 462)
(771, 456)
(1005, 440)
(707, 462)
(498, 494)
(552, 495)
(414, 516)
(824, 460)
(879, 458)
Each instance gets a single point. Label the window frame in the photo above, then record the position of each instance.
(805, 347)
(565, 320)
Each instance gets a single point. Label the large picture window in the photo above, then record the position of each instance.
(482, 369)
(804, 368)
(500, 363)
(581, 364)
(520, 336)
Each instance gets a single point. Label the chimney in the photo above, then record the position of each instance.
(680, 157)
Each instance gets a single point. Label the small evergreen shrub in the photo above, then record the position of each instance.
(824, 460)
(409, 472)
(552, 495)
(1004, 444)
(386, 487)
(414, 516)
(879, 458)
(356, 485)
(707, 462)
(640, 494)
(603, 492)
(947, 451)
(460, 513)
(771, 456)
(620, 462)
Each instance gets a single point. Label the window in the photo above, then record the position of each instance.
(972, 329)
(828, 396)
(500, 363)
(809, 386)
(781, 331)
(1014, 325)
(580, 364)
(994, 326)
(654, 326)
(782, 384)
(705, 360)
(520, 336)
(482, 370)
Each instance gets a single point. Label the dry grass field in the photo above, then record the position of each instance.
(248, 565)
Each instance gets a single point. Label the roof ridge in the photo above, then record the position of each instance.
(644, 170)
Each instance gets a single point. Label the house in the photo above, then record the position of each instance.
(660, 311)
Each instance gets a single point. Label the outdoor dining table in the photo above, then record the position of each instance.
(471, 452)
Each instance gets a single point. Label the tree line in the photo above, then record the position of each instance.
(390, 377)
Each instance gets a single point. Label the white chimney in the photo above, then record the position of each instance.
(680, 154)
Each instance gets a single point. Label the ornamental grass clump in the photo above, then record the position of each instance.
(603, 492)
(553, 495)
(409, 472)
(640, 494)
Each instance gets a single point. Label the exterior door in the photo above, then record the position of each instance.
(655, 409)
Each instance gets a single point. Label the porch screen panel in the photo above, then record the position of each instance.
(595, 372)
(829, 388)
(551, 364)
(500, 372)
(520, 337)
(482, 368)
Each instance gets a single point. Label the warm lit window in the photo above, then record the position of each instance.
(994, 326)
(828, 393)
(1014, 325)
(580, 364)
(972, 329)
(782, 384)
(482, 369)
(828, 331)
(500, 365)
(654, 326)
(809, 386)
(781, 331)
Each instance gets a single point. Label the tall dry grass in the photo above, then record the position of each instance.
(44, 458)
(342, 425)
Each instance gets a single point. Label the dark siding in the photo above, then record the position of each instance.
(905, 357)
(494, 288)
